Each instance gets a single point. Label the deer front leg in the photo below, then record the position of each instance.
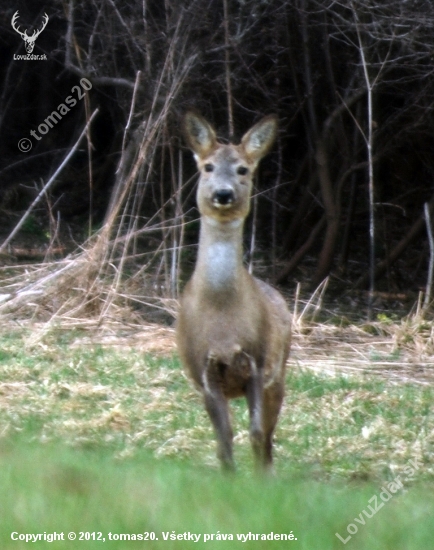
(273, 398)
(254, 395)
(217, 408)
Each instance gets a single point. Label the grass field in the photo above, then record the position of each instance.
(103, 437)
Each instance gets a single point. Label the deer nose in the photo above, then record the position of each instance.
(223, 196)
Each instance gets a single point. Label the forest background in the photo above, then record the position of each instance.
(346, 193)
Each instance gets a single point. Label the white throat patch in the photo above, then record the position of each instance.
(221, 264)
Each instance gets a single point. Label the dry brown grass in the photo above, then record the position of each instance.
(401, 352)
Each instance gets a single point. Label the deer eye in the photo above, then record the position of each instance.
(242, 170)
(209, 167)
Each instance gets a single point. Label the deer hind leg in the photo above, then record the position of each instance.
(217, 408)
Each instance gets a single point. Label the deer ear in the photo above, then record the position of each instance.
(259, 139)
(199, 134)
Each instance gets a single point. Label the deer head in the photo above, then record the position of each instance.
(29, 41)
(225, 184)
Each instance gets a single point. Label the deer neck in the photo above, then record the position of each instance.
(219, 267)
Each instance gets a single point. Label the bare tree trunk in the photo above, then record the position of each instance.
(330, 196)
(332, 214)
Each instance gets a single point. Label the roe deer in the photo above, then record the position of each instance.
(233, 330)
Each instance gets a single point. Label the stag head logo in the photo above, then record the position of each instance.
(29, 41)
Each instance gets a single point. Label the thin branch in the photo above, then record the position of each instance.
(228, 71)
(428, 291)
(130, 116)
(369, 147)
